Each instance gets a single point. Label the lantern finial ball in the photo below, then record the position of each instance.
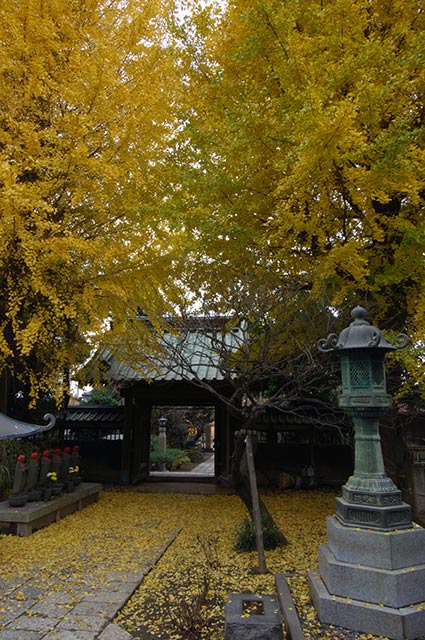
(359, 313)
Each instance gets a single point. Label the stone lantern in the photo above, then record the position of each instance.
(371, 573)
(369, 498)
(162, 435)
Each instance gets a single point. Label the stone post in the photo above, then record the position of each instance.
(162, 437)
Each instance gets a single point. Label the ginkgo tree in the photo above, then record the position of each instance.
(299, 156)
(143, 147)
(85, 94)
(302, 149)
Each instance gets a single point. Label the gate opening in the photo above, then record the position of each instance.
(182, 442)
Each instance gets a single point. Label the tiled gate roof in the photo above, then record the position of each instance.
(197, 353)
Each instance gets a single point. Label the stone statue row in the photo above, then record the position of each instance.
(45, 475)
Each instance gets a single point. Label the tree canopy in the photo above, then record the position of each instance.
(85, 89)
(302, 151)
(154, 158)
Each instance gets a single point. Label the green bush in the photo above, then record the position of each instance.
(245, 535)
(172, 460)
(195, 454)
(5, 479)
(159, 461)
(154, 443)
(180, 459)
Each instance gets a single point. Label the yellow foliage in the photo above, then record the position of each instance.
(149, 158)
(85, 93)
(303, 150)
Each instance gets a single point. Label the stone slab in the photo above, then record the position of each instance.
(394, 588)
(26, 592)
(114, 632)
(82, 623)
(59, 598)
(34, 623)
(288, 610)
(110, 598)
(35, 515)
(13, 634)
(242, 626)
(13, 608)
(70, 635)
(381, 549)
(89, 609)
(406, 623)
(49, 610)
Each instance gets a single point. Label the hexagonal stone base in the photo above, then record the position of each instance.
(374, 516)
(405, 623)
(372, 581)
(381, 549)
(393, 588)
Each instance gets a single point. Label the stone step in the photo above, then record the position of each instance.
(406, 623)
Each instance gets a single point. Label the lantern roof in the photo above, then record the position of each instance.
(360, 334)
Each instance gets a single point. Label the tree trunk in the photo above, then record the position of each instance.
(262, 567)
(239, 479)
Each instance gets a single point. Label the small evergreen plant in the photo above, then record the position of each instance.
(245, 534)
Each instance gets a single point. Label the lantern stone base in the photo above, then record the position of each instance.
(372, 581)
(374, 516)
(406, 623)
(393, 588)
(382, 492)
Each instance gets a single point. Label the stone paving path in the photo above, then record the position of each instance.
(204, 469)
(69, 606)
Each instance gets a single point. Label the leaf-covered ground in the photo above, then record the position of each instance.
(184, 595)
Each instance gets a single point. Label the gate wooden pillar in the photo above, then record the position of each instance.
(140, 441)
(126, 444)
(222, 448)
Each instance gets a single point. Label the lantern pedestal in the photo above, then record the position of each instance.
(353, 514)
(371, 581)
(369, 498)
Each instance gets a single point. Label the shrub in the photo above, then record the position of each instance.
(172, 460)
(5, 479)
(161, 461)
(191, 617)
(245, 535)
(154, 443)
(195, 455)
(180, 459)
